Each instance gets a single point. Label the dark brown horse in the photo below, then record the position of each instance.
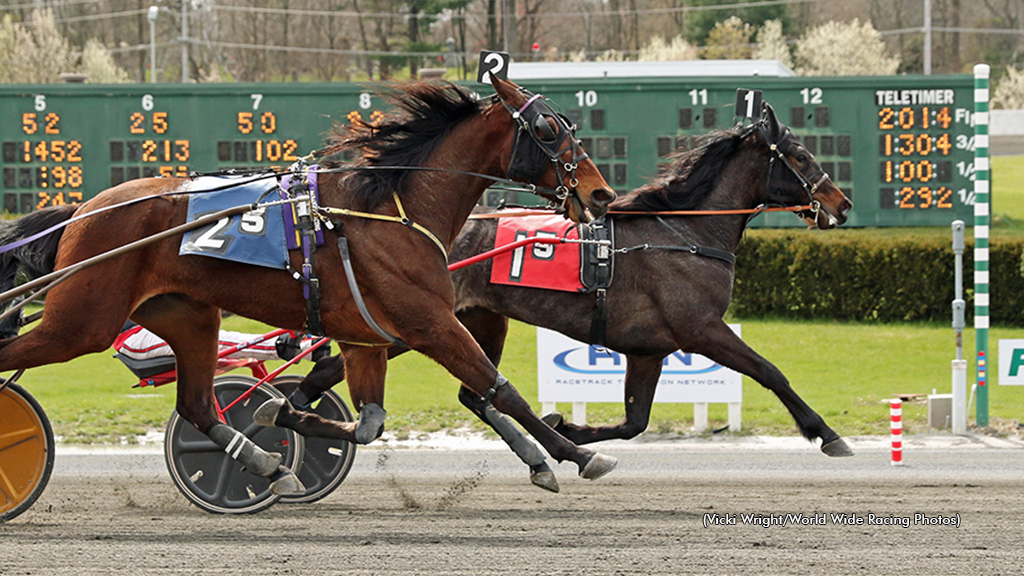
(668, 297)
(459, 144)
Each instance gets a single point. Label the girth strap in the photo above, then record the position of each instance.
(346, 262)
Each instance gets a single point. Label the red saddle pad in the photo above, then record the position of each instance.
(548, 266)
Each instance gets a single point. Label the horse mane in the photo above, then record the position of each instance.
(689, 179)
(423, 114)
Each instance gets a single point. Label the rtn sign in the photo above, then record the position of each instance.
(573, 371)
(594, 360)
(1011, 362)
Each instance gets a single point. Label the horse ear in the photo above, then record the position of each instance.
(775, 127)
(508, 91)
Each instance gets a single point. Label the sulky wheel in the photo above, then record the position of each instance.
(208, 476)
(26, 451)
(326, 462)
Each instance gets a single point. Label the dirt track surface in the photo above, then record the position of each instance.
(438, 512)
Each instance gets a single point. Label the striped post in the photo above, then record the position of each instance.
(896, 427)
(982, 208)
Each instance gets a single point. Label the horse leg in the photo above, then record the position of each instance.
(365, 368)
(190, 328)
(450, 344)
(325, 374)
(294, 413)
(642, 373)
(489, 330)
(723, 346)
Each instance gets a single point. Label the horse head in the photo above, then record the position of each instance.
(544, 151)
(802, 181)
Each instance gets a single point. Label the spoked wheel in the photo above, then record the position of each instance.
(26, 451)
(208, 476)
(326, 462)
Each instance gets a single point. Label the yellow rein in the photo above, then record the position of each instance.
(401, 219)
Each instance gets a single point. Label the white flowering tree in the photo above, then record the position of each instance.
(771, 44)
(38, 54)
(843, 49)
(99, 67)
(660, 50)
(1009, 93)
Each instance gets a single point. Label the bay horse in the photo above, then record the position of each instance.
(458, 146)
(672, 295)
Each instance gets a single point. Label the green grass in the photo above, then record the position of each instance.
(844, 371)
(1008, 187)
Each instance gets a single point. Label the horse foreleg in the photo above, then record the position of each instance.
(723, 346)
(642, 373)
(450, 344)
(190, 328)
(540, 473)
(489, 330)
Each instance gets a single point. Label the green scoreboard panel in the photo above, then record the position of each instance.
(65, 143)
(901, 147)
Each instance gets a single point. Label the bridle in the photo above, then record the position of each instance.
(528, 163)
(778, 151)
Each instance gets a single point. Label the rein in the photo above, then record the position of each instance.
(756, 210)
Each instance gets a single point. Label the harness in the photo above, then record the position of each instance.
(601, 270)
(778, 151)
(527, 163)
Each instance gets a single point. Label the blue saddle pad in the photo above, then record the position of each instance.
(256, 237)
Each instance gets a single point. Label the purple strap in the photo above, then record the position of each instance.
(528, 102)
(291, 235)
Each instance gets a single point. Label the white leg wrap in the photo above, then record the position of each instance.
(240, 448)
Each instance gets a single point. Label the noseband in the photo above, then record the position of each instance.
(529, 162)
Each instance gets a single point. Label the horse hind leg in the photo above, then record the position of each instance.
(365, 368)
(190, 328)
(642, 373)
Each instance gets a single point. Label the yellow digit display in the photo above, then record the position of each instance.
(241, 153)
(913, 153)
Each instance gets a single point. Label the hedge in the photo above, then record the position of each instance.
(869, 277)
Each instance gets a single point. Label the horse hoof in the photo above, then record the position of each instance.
(370, 425)
(598, 466)
(544, 477)
(286, 483)
(553, 419)
(837, 448)
(266, 414)
(264, 463)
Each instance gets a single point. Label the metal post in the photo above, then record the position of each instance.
(981, 234)
(927, 37)
(184, 41)
(151, 16)
(959, 368)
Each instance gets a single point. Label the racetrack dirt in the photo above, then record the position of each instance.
(709, 509)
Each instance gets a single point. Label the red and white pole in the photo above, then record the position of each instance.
(896, 427)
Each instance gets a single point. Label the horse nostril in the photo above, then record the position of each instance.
(845, 207)
(602, 197)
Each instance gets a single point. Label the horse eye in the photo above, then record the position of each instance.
(545, 130)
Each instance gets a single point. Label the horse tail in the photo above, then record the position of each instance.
(35, 258)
